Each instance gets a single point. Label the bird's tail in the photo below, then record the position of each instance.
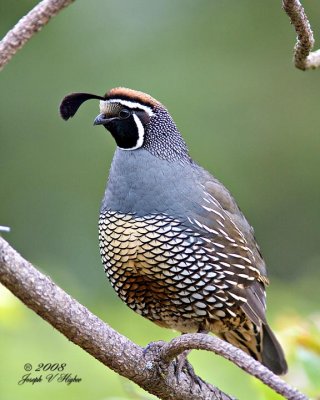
(260, 343)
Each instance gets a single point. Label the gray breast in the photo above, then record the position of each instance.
(141, 183)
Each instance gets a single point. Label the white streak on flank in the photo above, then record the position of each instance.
(190, 220)
(215, 266)
(126, 103)
(140, 134)
(219, 214)
(214, 211)
(220, 223)
(223, 232)
(244, 276)
(222, 286)
(238, 297)
(210, 250)
(239, 266)
(221, 246)
(198, 223)
(225, 264)
(220, 298)
(228, 272)
(222, 255)
(238, 256)
(210, 230)
(245, 248)
(231, 313)
(212, 200)
(207, 208)
(231, 282)
(253, 268)
(242, 238)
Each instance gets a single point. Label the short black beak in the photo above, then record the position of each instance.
(100, 120)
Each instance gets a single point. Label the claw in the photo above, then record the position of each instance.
(153, 346)
(182, 364)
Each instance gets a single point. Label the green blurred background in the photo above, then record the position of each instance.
(224, 70)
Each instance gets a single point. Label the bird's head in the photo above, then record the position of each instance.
(135, 120)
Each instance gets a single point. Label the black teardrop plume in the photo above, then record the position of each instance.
(70, 104)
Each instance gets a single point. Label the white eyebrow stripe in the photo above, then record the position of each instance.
(129, 104)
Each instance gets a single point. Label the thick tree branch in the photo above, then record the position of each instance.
(83, 328)
(304, 58)
(30, 24)
(151, 368)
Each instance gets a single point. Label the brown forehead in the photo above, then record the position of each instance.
(132, 95)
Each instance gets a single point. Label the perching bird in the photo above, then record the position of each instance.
(174, 244)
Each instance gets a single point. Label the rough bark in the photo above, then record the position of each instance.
(28, 25)
(304, 58)
(152, 368)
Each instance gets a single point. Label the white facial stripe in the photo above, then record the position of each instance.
(140, 133)
(126, 103)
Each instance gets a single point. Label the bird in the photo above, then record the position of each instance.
(174, 244)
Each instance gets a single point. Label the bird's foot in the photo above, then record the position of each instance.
(153, 347)
(182, 364)
(151, 354)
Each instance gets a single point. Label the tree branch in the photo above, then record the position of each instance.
(28, 25)
(304, 58)
(201, 341)
(83, 328)
(151, 368)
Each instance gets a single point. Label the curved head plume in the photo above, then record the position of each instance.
(71, 103)
(134, 119)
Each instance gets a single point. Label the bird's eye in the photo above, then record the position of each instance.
(124, 113)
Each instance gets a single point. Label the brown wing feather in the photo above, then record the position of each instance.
(221, 217)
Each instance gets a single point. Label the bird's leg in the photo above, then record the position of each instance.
(183, 364)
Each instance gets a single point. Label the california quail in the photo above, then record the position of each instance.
(174, 244)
